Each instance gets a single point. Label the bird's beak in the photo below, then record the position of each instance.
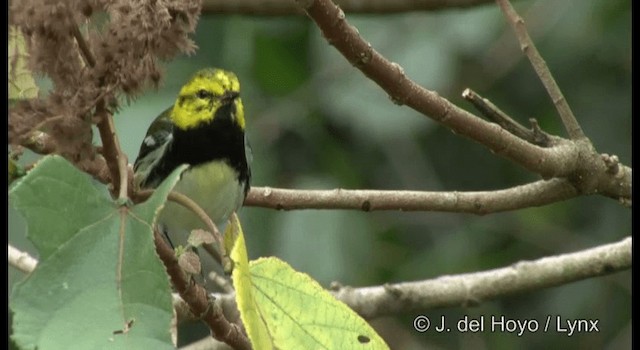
(230, 96)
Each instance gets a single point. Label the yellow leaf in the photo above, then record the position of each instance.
(249, 313)
(21, 82)
(285, 309)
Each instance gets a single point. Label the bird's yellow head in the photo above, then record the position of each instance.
(200, 98)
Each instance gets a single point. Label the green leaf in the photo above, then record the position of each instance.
(285, 309)
(21, 82)
(99, 283)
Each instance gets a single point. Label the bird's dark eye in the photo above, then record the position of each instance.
(203, 94)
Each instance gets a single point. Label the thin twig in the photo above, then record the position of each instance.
(480, 202)
(116, 160)
(197, 299)
(496, 115)
(82, 44)
(122, 170)
(538, 133)
(528, 47)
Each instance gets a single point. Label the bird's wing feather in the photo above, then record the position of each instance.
(154, 145)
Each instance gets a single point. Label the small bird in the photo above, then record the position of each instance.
(205, 129)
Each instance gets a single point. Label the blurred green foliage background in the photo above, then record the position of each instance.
(314, 121)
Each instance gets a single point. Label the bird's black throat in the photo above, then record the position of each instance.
(220, 139)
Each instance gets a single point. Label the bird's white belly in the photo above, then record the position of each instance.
(215, 187)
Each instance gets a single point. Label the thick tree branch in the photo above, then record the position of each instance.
(528, 47)
(481, 202)
(287, 7)
(473, 288)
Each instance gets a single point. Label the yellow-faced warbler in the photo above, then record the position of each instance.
(205, 129)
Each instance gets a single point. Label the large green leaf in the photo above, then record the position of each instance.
(99, 283)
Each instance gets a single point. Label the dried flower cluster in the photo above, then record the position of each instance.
(94, 51)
